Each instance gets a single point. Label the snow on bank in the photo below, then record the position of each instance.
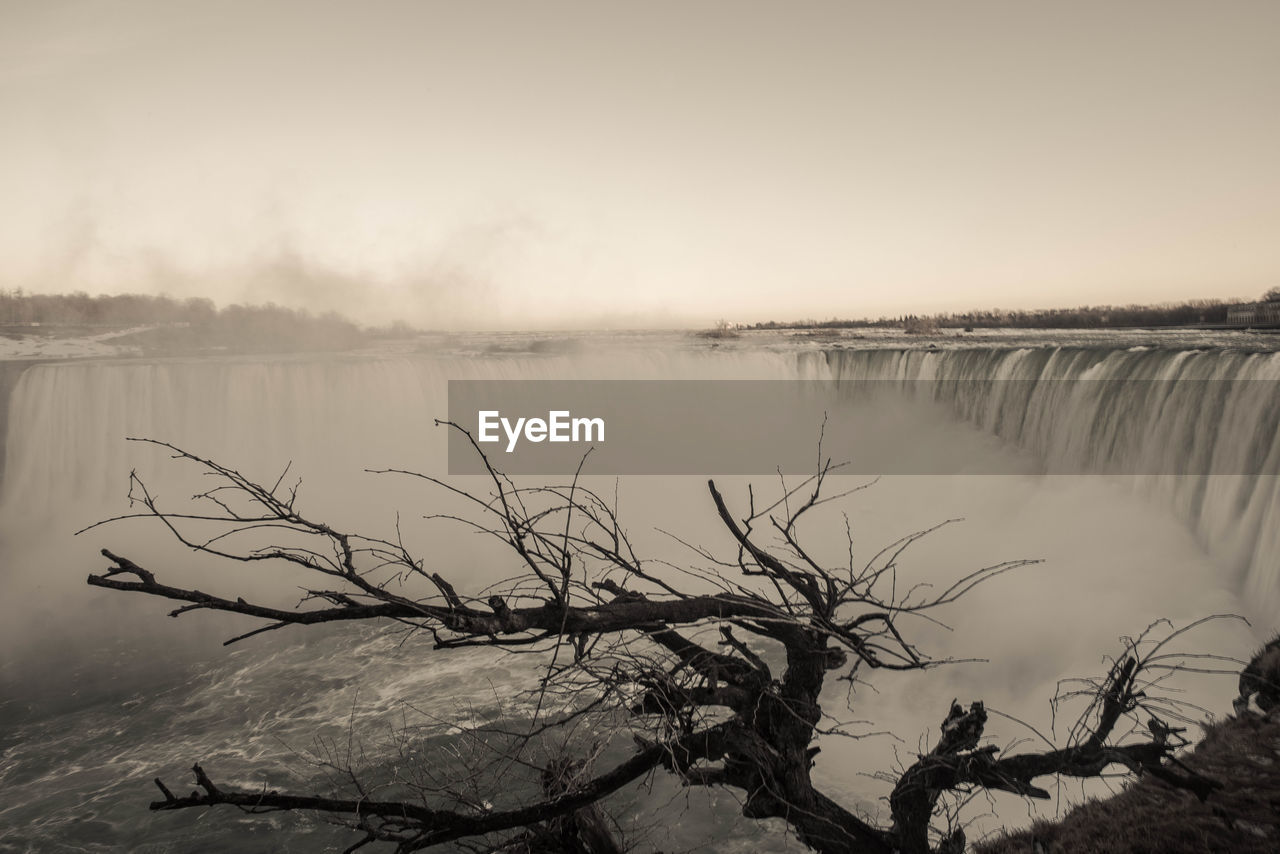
(25, 345)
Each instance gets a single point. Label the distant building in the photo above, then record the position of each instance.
(1254, 314)
(1240, 315)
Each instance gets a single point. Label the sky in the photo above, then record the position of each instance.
(558, 164)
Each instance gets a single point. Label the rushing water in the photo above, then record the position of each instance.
(1065, 411)
(102, 692)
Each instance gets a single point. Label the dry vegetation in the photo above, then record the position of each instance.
(1150, 817)
(710, 672)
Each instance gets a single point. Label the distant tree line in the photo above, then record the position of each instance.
(81, 309)
(186, 324)
(1083, 317)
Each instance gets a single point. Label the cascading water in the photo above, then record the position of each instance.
(329, 418)
(332, 417)
(67, 464)
(68, 421)
(1204, 412)
(66, 458)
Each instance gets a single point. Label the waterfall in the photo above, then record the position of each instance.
(329, 418)
(68, 421)
(10, 371)
(1221, 415)
(67, 462)
(78, 662)
(68, 648)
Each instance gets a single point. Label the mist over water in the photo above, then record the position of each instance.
(104, 691)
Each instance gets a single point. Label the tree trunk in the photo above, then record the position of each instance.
(777, 756)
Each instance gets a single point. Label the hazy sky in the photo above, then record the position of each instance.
(554, 163)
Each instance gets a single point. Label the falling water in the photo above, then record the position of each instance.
(134, 694)
(1077, 411)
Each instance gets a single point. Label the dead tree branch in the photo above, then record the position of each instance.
(622, 641)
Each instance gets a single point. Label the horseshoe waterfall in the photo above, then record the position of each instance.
(66, 423)
(1148, 501)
